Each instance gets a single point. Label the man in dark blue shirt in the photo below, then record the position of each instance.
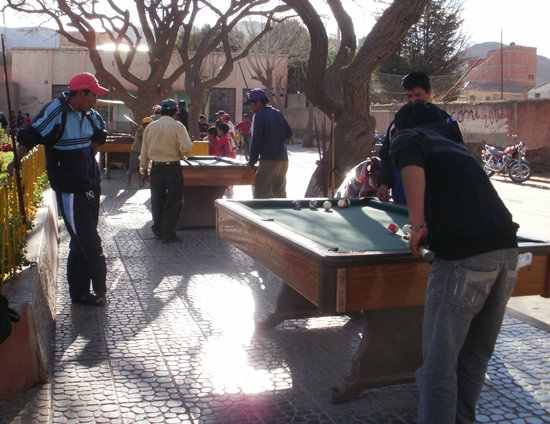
(270, 130)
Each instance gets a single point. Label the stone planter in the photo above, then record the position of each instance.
(27, 355)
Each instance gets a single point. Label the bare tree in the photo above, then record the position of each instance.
(156, 25)
(342, 89)
(436, 44)
(287, 42)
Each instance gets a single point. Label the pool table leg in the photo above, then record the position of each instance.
(198, 206)
(389, 353)
(290, 305)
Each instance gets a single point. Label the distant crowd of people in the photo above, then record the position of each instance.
(17, 121)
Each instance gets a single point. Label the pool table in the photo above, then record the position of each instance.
(205, 179)
(346, 261)
(117, 146)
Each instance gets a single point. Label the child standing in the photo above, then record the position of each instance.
(223, 142)
(213, 149)
(135, 150)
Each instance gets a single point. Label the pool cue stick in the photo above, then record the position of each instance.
(131, 120)
(317, 137)
(22, 212)
(426, 253)
(191, 165)
(332, 148)
(325, 173)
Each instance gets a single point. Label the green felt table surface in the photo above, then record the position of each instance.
(357, 228)
(361, 227)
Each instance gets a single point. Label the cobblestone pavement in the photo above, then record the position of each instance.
(176, 344)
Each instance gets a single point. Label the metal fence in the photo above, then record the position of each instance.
(12, 230)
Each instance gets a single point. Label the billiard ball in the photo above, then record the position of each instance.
(342, 203)
(407, 229)
(296, 204)
(327, 205)
(393, 228)
(313, 204)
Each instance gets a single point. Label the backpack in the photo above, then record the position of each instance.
(7, 316)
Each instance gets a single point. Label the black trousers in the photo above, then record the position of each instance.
(86, 261)
(166, 192)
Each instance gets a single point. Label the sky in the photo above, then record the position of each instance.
(523, 22)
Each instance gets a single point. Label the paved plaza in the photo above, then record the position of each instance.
(176, 343)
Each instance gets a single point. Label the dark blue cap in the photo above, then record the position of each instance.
(168, 104)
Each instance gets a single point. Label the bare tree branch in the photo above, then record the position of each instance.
(156, 23)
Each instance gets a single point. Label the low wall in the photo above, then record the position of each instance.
(298, 119)
(481, 123)
(27, 355)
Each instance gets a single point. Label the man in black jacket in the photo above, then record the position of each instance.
(183, 115)
(417, 87)
(455, 210)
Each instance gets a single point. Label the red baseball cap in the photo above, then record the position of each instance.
(86, 81)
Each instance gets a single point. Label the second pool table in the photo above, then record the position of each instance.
(205, 179)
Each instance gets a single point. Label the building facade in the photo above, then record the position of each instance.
(38, 85)
(509, 72)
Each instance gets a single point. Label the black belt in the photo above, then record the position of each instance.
(167, 163)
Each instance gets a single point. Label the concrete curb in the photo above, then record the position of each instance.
(28, 354)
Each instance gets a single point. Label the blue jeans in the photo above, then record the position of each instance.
(464, 309)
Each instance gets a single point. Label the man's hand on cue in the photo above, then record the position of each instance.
(417, 239)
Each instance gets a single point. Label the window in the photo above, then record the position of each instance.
(531, 77)
(222, 99)
(472, 98)
(537, 95)
(58, 89)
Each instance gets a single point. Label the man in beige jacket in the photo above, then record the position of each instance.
(165, 143)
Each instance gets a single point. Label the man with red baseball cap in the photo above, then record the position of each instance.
(86, 81)
(72, 131)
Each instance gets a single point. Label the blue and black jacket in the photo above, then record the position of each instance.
(68, 136)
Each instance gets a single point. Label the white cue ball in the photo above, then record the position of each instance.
(327, 205)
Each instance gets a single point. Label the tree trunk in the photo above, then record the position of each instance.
(308, 136)
(194, 112)
(357, 136)
(143, 109)
(354, 133)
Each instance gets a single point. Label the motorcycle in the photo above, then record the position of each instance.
(509, 161)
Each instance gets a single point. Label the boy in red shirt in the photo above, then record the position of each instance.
(223, 142)
(213, 149)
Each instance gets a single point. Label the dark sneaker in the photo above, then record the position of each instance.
(174, 239)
